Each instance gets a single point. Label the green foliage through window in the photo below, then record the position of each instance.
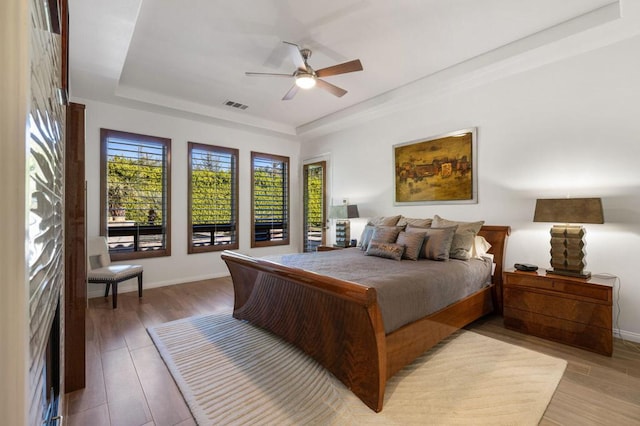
(213, 197)
(270, 199)
(313, 205)
(136, 187)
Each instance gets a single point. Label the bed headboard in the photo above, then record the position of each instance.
(497, 237)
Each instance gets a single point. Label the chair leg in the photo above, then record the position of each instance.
(140, 285)
(114, 294)
(106, 290)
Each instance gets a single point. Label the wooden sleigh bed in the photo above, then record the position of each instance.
(339, 322)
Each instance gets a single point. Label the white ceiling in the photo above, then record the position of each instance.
(191, 55)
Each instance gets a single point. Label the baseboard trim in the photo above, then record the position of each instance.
(97, 290)
(627, 335)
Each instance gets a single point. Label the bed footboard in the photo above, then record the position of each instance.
(336, 322)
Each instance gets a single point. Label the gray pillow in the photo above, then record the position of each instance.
(462, 245)
(384, 220)
(386, 250)
(385, 234)
(423, 223)
(412, 242)
(366, 236)
(437, 243)
(415, 228)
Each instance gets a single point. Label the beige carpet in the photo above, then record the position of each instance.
(233, 373)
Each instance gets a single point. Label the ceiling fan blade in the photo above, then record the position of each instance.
(296, 55)
(343, 68)
(266, 74)
(333, 89)
(291, 93)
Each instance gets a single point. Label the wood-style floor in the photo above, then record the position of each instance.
(128, 383)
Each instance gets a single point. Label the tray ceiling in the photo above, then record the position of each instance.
(191, 56)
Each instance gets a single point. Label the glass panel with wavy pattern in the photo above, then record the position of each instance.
(45, 198)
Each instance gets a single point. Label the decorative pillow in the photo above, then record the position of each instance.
(387, 250)
(412, 242)
(439, 222)
(414, 228)
(423, 223)
(384, 221)
(385, 234)
(480, 247)
(462, 245)
(366, 236)
(437, 243)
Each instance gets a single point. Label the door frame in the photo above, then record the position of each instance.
(324, 162)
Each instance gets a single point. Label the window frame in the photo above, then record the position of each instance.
(322, 164)
(286, 226)
(105, 134)
(191, 249)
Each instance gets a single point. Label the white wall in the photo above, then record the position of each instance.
(180, 266)
(567, 128)
(15, 29)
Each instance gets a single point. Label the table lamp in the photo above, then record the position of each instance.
(343, 213)
(567, 241)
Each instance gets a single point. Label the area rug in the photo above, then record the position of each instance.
(231, 372)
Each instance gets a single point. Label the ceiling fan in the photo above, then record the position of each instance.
(306, 77)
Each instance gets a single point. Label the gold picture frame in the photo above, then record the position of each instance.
(437, 170)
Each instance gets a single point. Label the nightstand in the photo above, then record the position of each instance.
(328, 248)
(569, 310)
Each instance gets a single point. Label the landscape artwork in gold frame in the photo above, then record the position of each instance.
(437, 170)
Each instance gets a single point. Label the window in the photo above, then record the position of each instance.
(314, 201)
(213, 198)
(270, 200)
(135, 179)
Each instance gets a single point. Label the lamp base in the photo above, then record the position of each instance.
(580, 274)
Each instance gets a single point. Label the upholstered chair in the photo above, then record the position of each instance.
(100, 270)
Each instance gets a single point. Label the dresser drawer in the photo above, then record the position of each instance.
(584, 336)
(592, 291)
(565, 308)
(570, 310)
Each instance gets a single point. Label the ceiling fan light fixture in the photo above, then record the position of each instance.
(306, 77)
(305, 81)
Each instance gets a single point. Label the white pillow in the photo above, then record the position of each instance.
(480, 247)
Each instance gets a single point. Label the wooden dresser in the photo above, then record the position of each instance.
(569, 310)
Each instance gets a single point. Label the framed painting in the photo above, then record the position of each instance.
(437, 170)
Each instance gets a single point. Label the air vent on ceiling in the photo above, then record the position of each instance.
(237, 105)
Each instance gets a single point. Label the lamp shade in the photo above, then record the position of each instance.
(352, 211)
(344, 211)
(569, 210)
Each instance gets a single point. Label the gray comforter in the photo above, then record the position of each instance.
(407, 290)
